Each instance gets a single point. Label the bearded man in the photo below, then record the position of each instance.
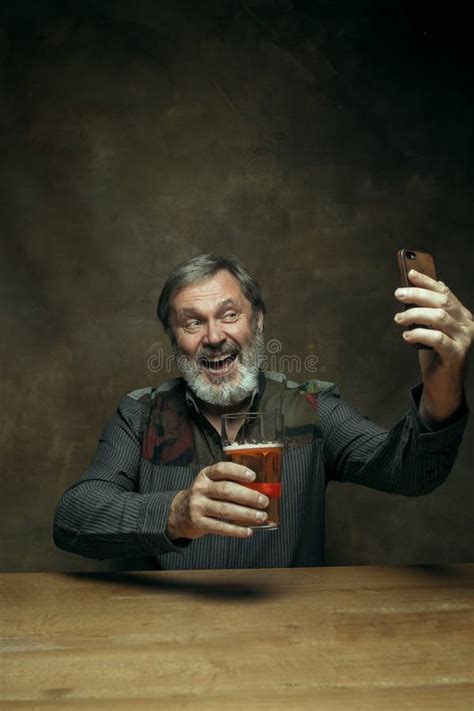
(158, 485)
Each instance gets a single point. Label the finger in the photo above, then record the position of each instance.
(419, 279)
(229, 470)
(437, 340)
(432, 318)
(224, 528)
(234, 513)
(446, 299)
(206, 516)
(238, 494)
(422, 297)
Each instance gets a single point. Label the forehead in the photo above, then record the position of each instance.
(209, 292)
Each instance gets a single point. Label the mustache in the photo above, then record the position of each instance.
(213, 351)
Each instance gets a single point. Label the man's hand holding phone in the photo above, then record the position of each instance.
(445, 326)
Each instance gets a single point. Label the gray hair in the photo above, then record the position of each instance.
(203, 267)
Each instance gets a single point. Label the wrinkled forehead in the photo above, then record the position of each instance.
(206, 295)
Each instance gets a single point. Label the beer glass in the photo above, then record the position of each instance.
(258, 445)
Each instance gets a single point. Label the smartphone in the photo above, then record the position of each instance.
(423, 262)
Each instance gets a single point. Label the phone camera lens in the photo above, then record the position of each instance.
(410, 255)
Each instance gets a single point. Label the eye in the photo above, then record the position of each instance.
(230, 316)
(192, 324)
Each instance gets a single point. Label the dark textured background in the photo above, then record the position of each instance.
(311, 139)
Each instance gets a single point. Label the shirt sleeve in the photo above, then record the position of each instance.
(409, 459)
(103, 515)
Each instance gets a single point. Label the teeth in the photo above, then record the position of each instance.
(218, 360)
(212, 362)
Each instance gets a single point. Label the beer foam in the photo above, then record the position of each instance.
(259, 445)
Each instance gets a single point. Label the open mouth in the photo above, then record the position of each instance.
(218, 365)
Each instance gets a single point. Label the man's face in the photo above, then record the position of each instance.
(218, 341)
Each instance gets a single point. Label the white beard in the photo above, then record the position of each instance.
(229, 390)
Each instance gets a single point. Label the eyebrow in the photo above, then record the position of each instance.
(192, 311)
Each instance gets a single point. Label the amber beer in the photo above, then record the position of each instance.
(265, 460)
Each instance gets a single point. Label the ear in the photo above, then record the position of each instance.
(259, 321)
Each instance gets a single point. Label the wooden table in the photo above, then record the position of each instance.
(309, 638)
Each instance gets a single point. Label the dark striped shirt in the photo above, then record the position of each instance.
(158, 441)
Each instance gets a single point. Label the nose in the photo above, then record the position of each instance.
(213, 335)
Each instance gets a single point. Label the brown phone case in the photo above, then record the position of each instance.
(423, 262)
